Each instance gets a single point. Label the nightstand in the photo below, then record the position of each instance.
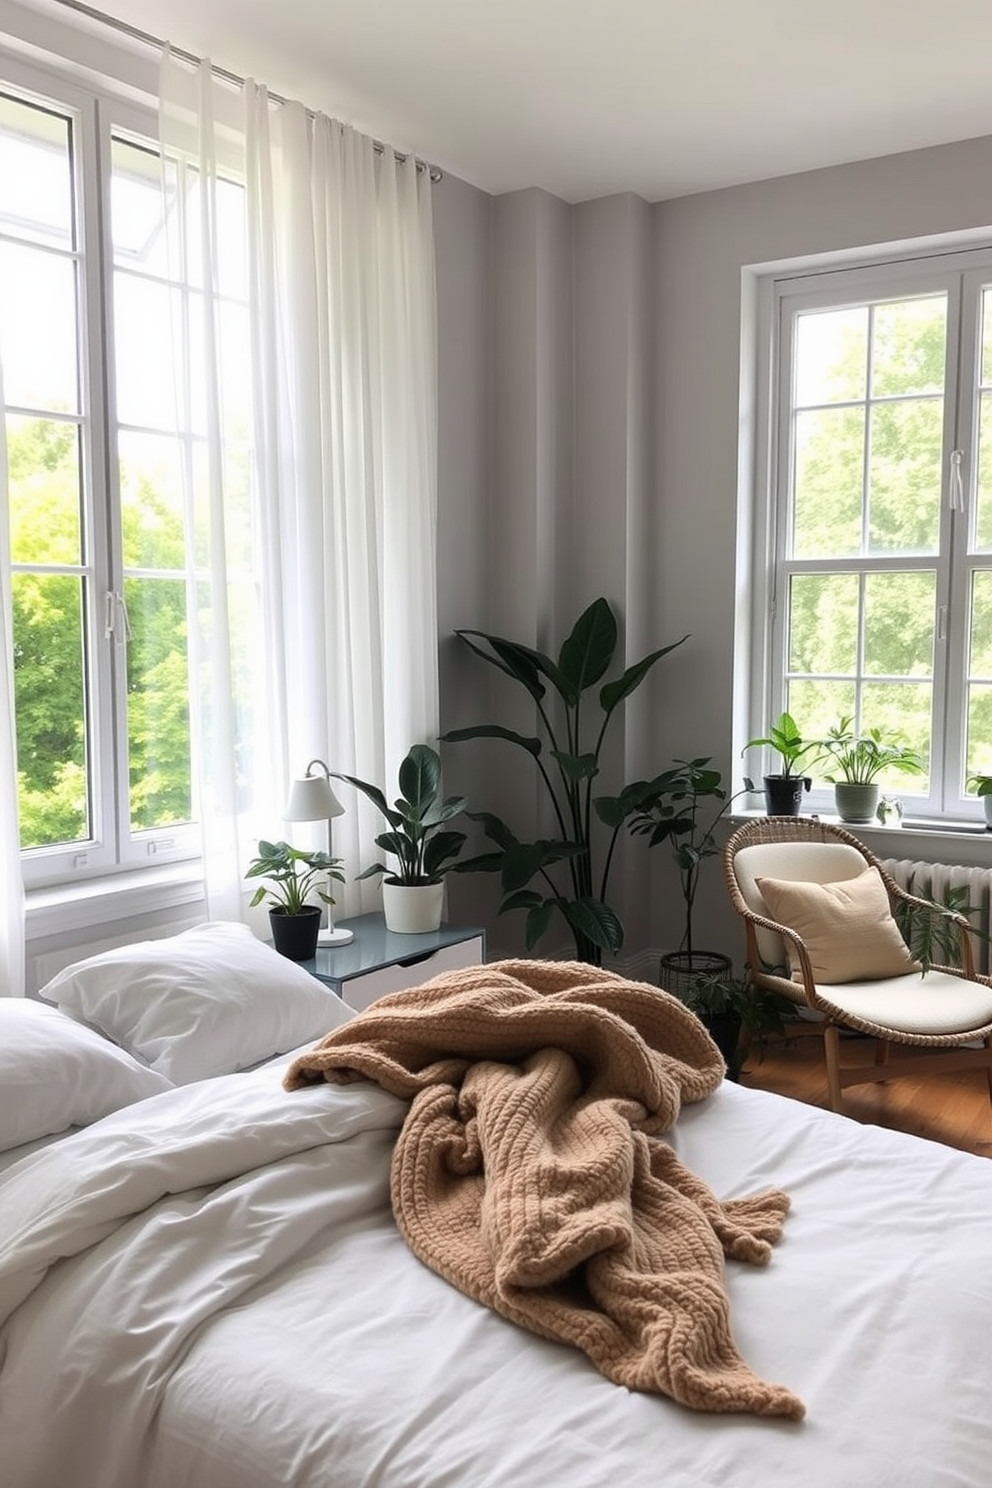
(378, 960)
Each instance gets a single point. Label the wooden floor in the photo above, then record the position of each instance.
(953, 1109)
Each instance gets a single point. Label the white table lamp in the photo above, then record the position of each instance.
(312, 799)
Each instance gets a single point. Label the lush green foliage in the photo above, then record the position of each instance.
(674, 811)
(787, 742)
(49, 647)
(980, 784)
(861, 758)
(425, 853)
(293, 876)
(573, 867)
(868, 482)
(758, 1013)
(933, 930)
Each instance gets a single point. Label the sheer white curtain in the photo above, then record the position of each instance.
(343, 351)
(11, 880)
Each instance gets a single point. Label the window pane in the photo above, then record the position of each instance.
(49, 673)
(909, 347)
(831, 356)
(152, 501)
(980, 639)
(143, 342)
(902, 712)
(987, 337)
(817, 705)
(983, 505)
(38, 329)
(979, 747)
(158, 704)
(137, 209)
(829, 483)
(978, 750)
(904, 476)
(36, 200)
(823, 623)
(44, 493)
(899, 624)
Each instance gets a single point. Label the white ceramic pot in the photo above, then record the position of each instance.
(412, 909)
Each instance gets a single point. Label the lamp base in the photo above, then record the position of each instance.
(335, 937)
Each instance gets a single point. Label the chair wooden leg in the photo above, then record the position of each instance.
(882, 1047)
(831, 1051)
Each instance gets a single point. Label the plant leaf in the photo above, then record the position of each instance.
(494, 731)
(587, 651)
(615, 692)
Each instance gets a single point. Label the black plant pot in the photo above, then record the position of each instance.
(725, 1031)
(295, 935)
(784, 794)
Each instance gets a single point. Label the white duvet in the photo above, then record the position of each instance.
(207, 1290)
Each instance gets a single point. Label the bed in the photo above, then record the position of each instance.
(207, 1287)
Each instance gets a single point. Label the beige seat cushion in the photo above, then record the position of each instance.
(934, 1005)
(847, 927)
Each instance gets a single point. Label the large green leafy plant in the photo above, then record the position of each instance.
(423, 852)
(567, 874)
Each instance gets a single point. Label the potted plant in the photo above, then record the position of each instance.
(677, 810)
(572, 868)
(293, 877)
(982, 786)
(859, 760)
(413, 892)
(736, 1015)
(784, 790)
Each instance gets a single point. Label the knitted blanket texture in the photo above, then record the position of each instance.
(529, 1171)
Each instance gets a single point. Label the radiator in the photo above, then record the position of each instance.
(931, 881)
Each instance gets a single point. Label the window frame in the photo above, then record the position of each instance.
(961, 272)
(96, 114)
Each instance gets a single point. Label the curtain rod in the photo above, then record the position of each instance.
(160, 43)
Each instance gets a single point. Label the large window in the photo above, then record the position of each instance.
(877, 595)
(101, 299)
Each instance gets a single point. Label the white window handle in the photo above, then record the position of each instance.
(116, 623)
(957, 484)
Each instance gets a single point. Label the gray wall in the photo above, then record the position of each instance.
(591, 403)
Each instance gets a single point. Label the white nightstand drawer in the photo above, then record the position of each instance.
(358, 992)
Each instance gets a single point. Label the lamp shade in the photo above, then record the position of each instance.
(311, 799)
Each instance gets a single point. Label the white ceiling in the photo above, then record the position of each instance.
(590, 97)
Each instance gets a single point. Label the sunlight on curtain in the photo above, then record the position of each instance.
(343, 351)
(11, 880)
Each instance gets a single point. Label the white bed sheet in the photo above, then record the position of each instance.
(235, 1309)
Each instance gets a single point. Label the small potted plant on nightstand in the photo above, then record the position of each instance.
(413, 892)
(293, 877)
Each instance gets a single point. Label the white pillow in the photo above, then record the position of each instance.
(210, 1001)
(55, 1073)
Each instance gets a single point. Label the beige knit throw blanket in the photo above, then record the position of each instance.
(529, 1173)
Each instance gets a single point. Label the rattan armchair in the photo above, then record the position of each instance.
(948, 1011)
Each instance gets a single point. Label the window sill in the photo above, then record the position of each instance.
(933, 841)
(56, 909)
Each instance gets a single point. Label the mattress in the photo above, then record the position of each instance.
(209, 1289)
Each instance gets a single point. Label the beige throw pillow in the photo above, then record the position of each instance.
(847, 927)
